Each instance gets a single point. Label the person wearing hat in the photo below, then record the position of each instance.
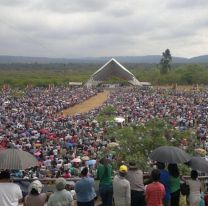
(61, 197)
(135, 178)
(35, 197)
(121, 188)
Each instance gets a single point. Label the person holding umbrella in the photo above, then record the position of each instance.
(10, 193)
(165, 180)
(174, 184)
(195, 189)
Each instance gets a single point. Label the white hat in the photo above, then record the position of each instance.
(37, 185)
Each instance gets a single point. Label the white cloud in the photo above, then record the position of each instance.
(68, 28)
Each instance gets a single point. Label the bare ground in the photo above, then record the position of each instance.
(89, 104)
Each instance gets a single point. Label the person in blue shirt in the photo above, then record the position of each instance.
(85, 189)
(165, 180)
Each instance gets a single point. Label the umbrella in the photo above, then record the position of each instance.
(76, 160)
(201, 151)
(34, 132)
(85, 158)
(113, 144)
(169, 154)
(94, 121)
(14, 159)
(37, 153)
(119, 119)
(43, 131)
(90, 162)
(199, 163)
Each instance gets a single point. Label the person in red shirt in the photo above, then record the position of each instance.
(155, 191)
(66, 174)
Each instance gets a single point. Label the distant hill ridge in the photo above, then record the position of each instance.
(151, 59)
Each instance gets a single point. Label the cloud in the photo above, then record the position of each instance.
(184, 4)
(66, 6)
(67, 28)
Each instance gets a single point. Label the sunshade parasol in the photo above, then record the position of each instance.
(113, 144)
(170, 154)
(90, 162)
(119, 119)
(76, 160)
(85, 158)
(14, 159)
(200, 151)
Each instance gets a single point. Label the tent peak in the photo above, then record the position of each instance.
(112, 68)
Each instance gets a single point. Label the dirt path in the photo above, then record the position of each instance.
(89, 104)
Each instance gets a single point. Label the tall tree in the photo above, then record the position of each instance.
(165, 62)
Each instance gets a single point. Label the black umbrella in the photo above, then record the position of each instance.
(14, 159)
(169, 154)
(199, 163)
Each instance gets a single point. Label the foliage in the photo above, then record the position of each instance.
(138, 141)
(165, 62)
(22, 75)
(106, 114)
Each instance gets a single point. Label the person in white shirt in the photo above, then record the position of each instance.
(195, 189)
(10, 193)
(121, 188)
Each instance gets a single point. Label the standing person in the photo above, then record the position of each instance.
(61, 196)
(165, 180)
(104, 174)
(121, 188)
(85, 189)
(35, 197)
(174, 184)
(135, 178)
(10, 193)
(195, 189)
(155, 191)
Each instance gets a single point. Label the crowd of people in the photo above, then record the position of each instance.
(126, 187)
(32, 120)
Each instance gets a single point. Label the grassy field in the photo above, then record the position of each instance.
(43, 74)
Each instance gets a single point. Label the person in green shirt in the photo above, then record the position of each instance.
(104, 174)
(174, 184)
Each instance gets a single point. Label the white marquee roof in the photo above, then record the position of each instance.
(109, 69)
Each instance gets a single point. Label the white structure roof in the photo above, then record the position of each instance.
(109, 69)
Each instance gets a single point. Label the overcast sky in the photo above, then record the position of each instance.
(80, 28)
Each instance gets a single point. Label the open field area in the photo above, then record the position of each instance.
(22, 75)
(88, 105)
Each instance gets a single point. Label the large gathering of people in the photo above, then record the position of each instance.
(71, 146)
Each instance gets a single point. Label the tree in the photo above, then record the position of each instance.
(165, 62)
(136, 142)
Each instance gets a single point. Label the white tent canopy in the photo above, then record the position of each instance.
(112, 68)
